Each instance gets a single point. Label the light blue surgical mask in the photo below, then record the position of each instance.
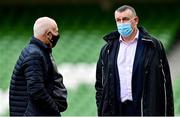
(125, 29)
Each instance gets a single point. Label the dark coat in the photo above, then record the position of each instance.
(36, 87)
(151, 80)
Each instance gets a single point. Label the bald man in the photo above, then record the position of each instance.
(36, 87)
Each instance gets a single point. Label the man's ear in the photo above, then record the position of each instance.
(48, 34)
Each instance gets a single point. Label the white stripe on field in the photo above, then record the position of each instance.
(76, 74)
(73, 76)
(4, 101)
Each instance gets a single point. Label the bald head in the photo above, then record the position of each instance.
(42, 25)
(45, 29)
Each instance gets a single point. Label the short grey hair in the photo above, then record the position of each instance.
(41, 25)
(125, 7)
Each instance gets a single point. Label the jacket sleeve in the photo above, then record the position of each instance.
(168, 84)
(99, 80)
(34, 67)
(60, 93)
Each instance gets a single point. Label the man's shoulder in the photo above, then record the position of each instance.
(30, 50)
(147, 36)
(111, 36)
(155, 40)
(103, 50)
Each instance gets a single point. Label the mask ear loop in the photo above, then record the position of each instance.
(49, 36)
(50, 41)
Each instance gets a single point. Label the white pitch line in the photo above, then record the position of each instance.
(73, 76)
(4, 101)
(76, 74)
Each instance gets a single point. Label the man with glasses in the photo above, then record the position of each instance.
(132, 75)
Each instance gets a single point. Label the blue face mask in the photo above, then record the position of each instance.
(125, 29)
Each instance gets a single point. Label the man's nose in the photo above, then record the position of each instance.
(121, 21)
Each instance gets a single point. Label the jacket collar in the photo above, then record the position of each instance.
(145, 37)
(40, 44)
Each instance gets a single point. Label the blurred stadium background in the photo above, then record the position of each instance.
(82, 25)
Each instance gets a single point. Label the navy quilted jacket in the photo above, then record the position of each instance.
(36, 87)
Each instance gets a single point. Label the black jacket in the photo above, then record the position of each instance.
(151, 80)
(36, 87)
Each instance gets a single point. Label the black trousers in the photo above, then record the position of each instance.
(130, 109)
